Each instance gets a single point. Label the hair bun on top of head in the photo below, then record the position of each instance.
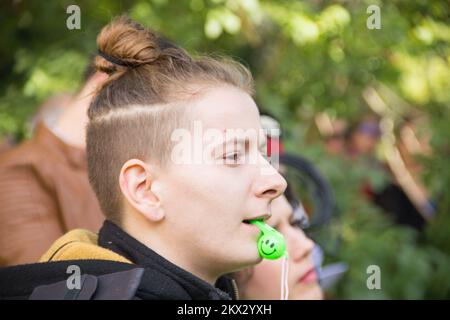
(127, 44)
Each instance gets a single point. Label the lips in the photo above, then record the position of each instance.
(308, 277)
(261, 217)
(248, 224)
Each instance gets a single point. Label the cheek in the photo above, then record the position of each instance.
(207, 186)
(209, 195)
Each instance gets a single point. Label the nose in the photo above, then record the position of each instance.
(269, 184)
(299, 245)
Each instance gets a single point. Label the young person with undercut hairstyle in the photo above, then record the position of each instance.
(184, 225)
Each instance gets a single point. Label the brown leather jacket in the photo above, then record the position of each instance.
(44, 192)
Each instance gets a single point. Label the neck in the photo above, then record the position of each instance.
(163, 246)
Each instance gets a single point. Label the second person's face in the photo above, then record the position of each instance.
(264, 281)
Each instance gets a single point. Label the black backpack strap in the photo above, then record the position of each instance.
(114, 286)
(19, 282)
(60, 290)
(120, 285)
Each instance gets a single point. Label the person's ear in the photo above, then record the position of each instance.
(136, 183)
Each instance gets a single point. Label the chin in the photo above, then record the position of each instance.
(310, 292)
(246, 259)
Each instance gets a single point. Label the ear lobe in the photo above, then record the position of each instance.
(136, 185)
(157, 213)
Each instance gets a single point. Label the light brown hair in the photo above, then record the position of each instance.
(151, 82)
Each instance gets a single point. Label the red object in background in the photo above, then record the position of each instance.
(275, 145)
(367, 191)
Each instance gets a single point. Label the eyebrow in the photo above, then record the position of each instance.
(262, 140)
(222, 146)
(245, 142)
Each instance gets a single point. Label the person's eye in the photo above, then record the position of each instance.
(300, 218)
(302, 223)
(232, 158)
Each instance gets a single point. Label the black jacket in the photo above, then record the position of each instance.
(150, 276)
(162, 279)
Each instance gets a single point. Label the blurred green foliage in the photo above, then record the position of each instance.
(307, 57)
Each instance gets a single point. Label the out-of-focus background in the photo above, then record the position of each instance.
(369, 106)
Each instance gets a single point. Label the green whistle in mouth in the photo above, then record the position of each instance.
(271, 244)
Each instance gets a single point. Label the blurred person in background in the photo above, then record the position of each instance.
(6, 143)
(44, 188)
(412, 144)
(333, 130)
(363, 138)
(406, 198)
(263, 281)
(50, 111)
(390, 196)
